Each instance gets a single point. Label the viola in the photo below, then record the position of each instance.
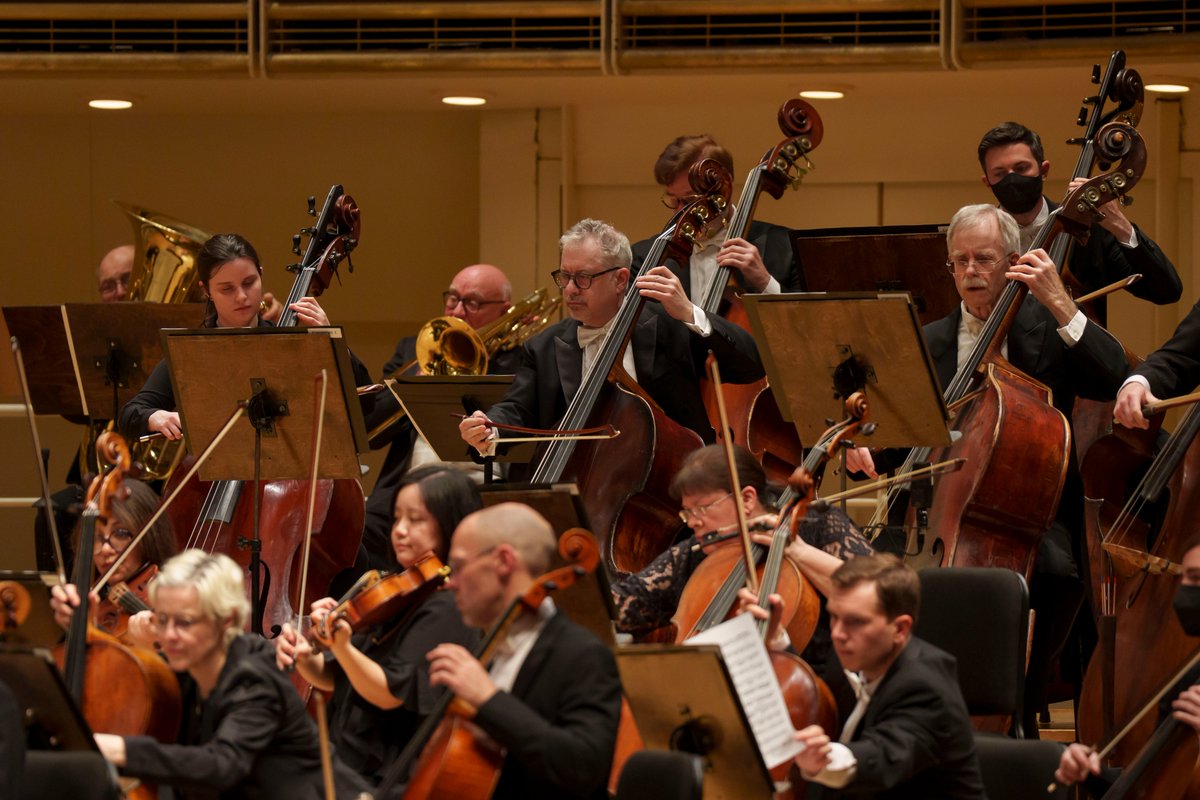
(222, 516)
(121, 690)
(755, 421)
(123, 600)
(378, 597)
(449, 759)
(624, 483)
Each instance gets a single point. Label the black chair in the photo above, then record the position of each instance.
(79, 775)
(1019, 768)
(980, 615)
(661, 775)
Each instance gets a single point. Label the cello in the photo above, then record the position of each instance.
(755, 421)
(975, 517)
(629, 508)
(218, 516)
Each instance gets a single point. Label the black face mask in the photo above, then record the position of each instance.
(1018, 194)
(1187, 609)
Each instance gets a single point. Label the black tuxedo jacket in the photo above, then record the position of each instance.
(774, 245)
(559, 723)
(1174, 368)
(915, 741)
(669, 360)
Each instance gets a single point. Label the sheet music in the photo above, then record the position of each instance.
(749, 666)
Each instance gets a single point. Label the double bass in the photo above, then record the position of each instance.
(1016, 444)
(219, 516)
(755, 421)
(623, 482)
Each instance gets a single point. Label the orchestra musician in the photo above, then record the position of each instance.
(647, 599)
(905, 733)
(1015, 169)
(478, 295)
(1169, 371)
(552, 695)
(230, 274)
(245, 732)
(113, 272)
(380, 677)
(762, 263)
(1080, 763)
(1054, 343)
(113, 537)
(666, 353)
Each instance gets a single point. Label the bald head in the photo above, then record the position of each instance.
(519, 526)
(112, 275)
(481, 284)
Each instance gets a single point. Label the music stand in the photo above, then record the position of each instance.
(89, 359)
(273, 369)
(867, 341)
(682, 697)
(52, 719)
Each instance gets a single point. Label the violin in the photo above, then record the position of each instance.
(447, 757)
(377, 597)
(122, 601)
(755, 421)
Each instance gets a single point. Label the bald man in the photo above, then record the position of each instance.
(478, 295)
(552, 695)
(112, 274)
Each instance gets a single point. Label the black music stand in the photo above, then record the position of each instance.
(89, 359)
(272, 369)
(683, 698)
(866, 342)
(52, 719)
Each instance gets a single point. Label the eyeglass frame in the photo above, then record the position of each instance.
(558, 275)
(99, 539)
(687, 514)
(469, 303)
(952, 265)
(676, 202)
(457, 569)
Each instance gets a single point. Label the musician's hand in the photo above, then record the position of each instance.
(309, 312)
(777, 638)
(1187, 707)
(272, 308)
(661, 284)
(291, 647)
(1114, 220)
(167, 423)
(142, 630)
(452, 666)
(112, 747)
(64, 599)
(815, 755)
(1037, 271)
(476, 430)
(859, 459)
(1075, 764)
(1128, 409)
(739, 254)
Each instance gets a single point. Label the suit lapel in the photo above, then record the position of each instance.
(645, 345)
(942, 338)
(537, 655)
(1025, 339)
(569, 359)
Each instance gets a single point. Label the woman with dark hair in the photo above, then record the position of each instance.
(380, 677)
(113, 537)
(647, 600)
(230, 275)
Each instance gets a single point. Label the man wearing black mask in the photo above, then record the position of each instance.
(1015, 169)
(1081, 763)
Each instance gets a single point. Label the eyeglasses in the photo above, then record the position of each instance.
(118, 540)
(674, 202)
(983, 264)
(450, 299)
(695, 512)
(458, 565)
(112, 285)
(583, 280)
(182, 624)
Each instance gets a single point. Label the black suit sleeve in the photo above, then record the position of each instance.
(774, 244)
(733, 347)
(156, 395)
(1174, 368)
(1097, 363)
(901, 742)
(520, 403)
(1104, 260)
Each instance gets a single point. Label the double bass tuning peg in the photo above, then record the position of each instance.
(312, 206)
(1096, 74)
(296, 244)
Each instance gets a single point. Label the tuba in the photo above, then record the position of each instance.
(164, 271)
(449, 346)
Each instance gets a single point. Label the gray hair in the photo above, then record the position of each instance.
(613, 245)
(219, 586)
(977, 215)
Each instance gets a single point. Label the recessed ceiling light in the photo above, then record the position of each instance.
(822, 94)
(1168, 88)
(110, 105)
(464, 100)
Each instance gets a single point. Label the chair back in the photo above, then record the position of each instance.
(661, 775)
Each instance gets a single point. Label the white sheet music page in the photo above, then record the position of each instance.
(749, 666)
